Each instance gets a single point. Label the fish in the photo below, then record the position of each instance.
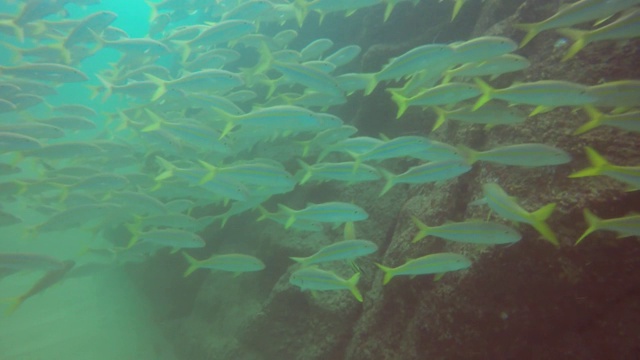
(93, 23)
(209, 80)
(439, 151)
(625, 27)
(220, 33)
(624, 226)
(11, 142)
(56, 73)
(331, 212)
(573, 14)
(545, 94)
(279, 117)
(342, 250)
(174, 238)
(51, 278)
(315, 279)
(235, 263)
(481, 48)
(250, 10)
(343, 171)
(629, 121)
(29, 261)
(65, 150)
(315, 49)
(492, 113)
(430, 264)
(427, 172)
(493, 67)
(69, 122)
(507, 207)
(310, 77)
(414, 60)
(445, 94)
(257, 173)
(174, 221)
(34, 130)
(344, 56)
(326, 137)
(391, 5)
(394, 148)
(617, 94)
(629, 175)
(472, 232)
(76, 217)
(525, 155)
(281, 218)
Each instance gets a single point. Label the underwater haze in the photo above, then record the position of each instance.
(319, 179)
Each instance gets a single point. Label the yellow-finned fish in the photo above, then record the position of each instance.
(624, 226)
(430, 264)
(315, 279)
(600, 166)
(576, 13)
(506, 206)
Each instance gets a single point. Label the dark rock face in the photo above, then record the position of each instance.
(526, 301)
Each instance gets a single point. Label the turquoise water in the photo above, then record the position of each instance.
(165, 229)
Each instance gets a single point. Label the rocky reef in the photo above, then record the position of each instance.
(570, 302)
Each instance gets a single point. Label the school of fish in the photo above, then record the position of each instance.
(222, 114)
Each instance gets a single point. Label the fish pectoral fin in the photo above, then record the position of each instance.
(438, 276)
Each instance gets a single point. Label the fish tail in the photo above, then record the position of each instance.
(423, 229)
(264, 213)
(388, 10)
(598, 163)
(194, 264)
(371, 85)
(487, 93)
(301, 8)
(594, 224)
(531, 29)
(388, 273)
(470, 155)
(401, 101)
(161, 84)
(290, 221)
(213, 171)
(292, 216)
(349, 230)
(14, 304)
(17, 30)
(153, 13)
(352, 283)
(135, 235)
(108, 87)
(595, 120)
(228, 118)
(300, 260)
(308, 172)
(441, 117)
(168, 167)
(100, 42)
(390, 177)
(579, 41)
(539, 216)
(306, 147)
(456, 8)
(155, 119)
